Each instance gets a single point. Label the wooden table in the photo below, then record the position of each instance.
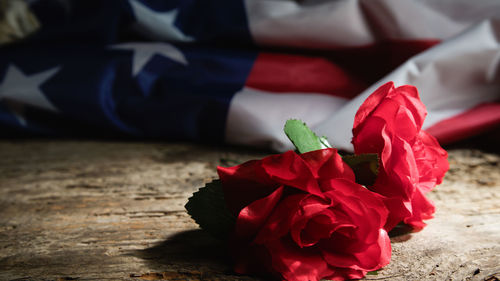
(94, 210)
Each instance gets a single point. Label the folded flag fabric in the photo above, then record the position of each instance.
(233, 71)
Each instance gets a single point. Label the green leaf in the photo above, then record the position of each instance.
(375, 272)
(303, 138)
(208, 208)
(365, 167)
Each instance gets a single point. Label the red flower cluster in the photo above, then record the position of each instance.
(304, 217)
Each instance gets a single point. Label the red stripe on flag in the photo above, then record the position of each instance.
(467, 124)
(371, 63)
(343, 72)
(284, 73)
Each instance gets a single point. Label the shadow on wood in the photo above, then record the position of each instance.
(193, 247)
(188, 255)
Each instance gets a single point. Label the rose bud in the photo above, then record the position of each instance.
(412, 162)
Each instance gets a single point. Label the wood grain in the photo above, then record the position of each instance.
(85, 210)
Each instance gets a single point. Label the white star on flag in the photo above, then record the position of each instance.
(143, 52)
(158, 25)
(19, 89)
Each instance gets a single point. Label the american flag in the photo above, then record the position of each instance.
(232, 71)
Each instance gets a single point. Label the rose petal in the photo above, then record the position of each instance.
(372, 258)
(290, 169)
(398, 210)
(348, 192)
(369, 138)
(399, 175)
(317, 228)
(279, 222)
(253, 216)
(310, 207)
(431, 157)
(405, 125)
(363, 208)
(245, 183)
(317, 158)
(422, 209)
(407, 95)
(327, 164)
(371, 103)
(346, 274)
(315, 221)
(297, 264)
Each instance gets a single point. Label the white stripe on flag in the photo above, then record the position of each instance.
(451, 78)
(288, 23)
(349, 23)
(256, 118)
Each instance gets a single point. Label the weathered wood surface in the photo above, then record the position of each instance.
(114, 211)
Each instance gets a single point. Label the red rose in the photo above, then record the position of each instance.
(412, 163)
(302, 217)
